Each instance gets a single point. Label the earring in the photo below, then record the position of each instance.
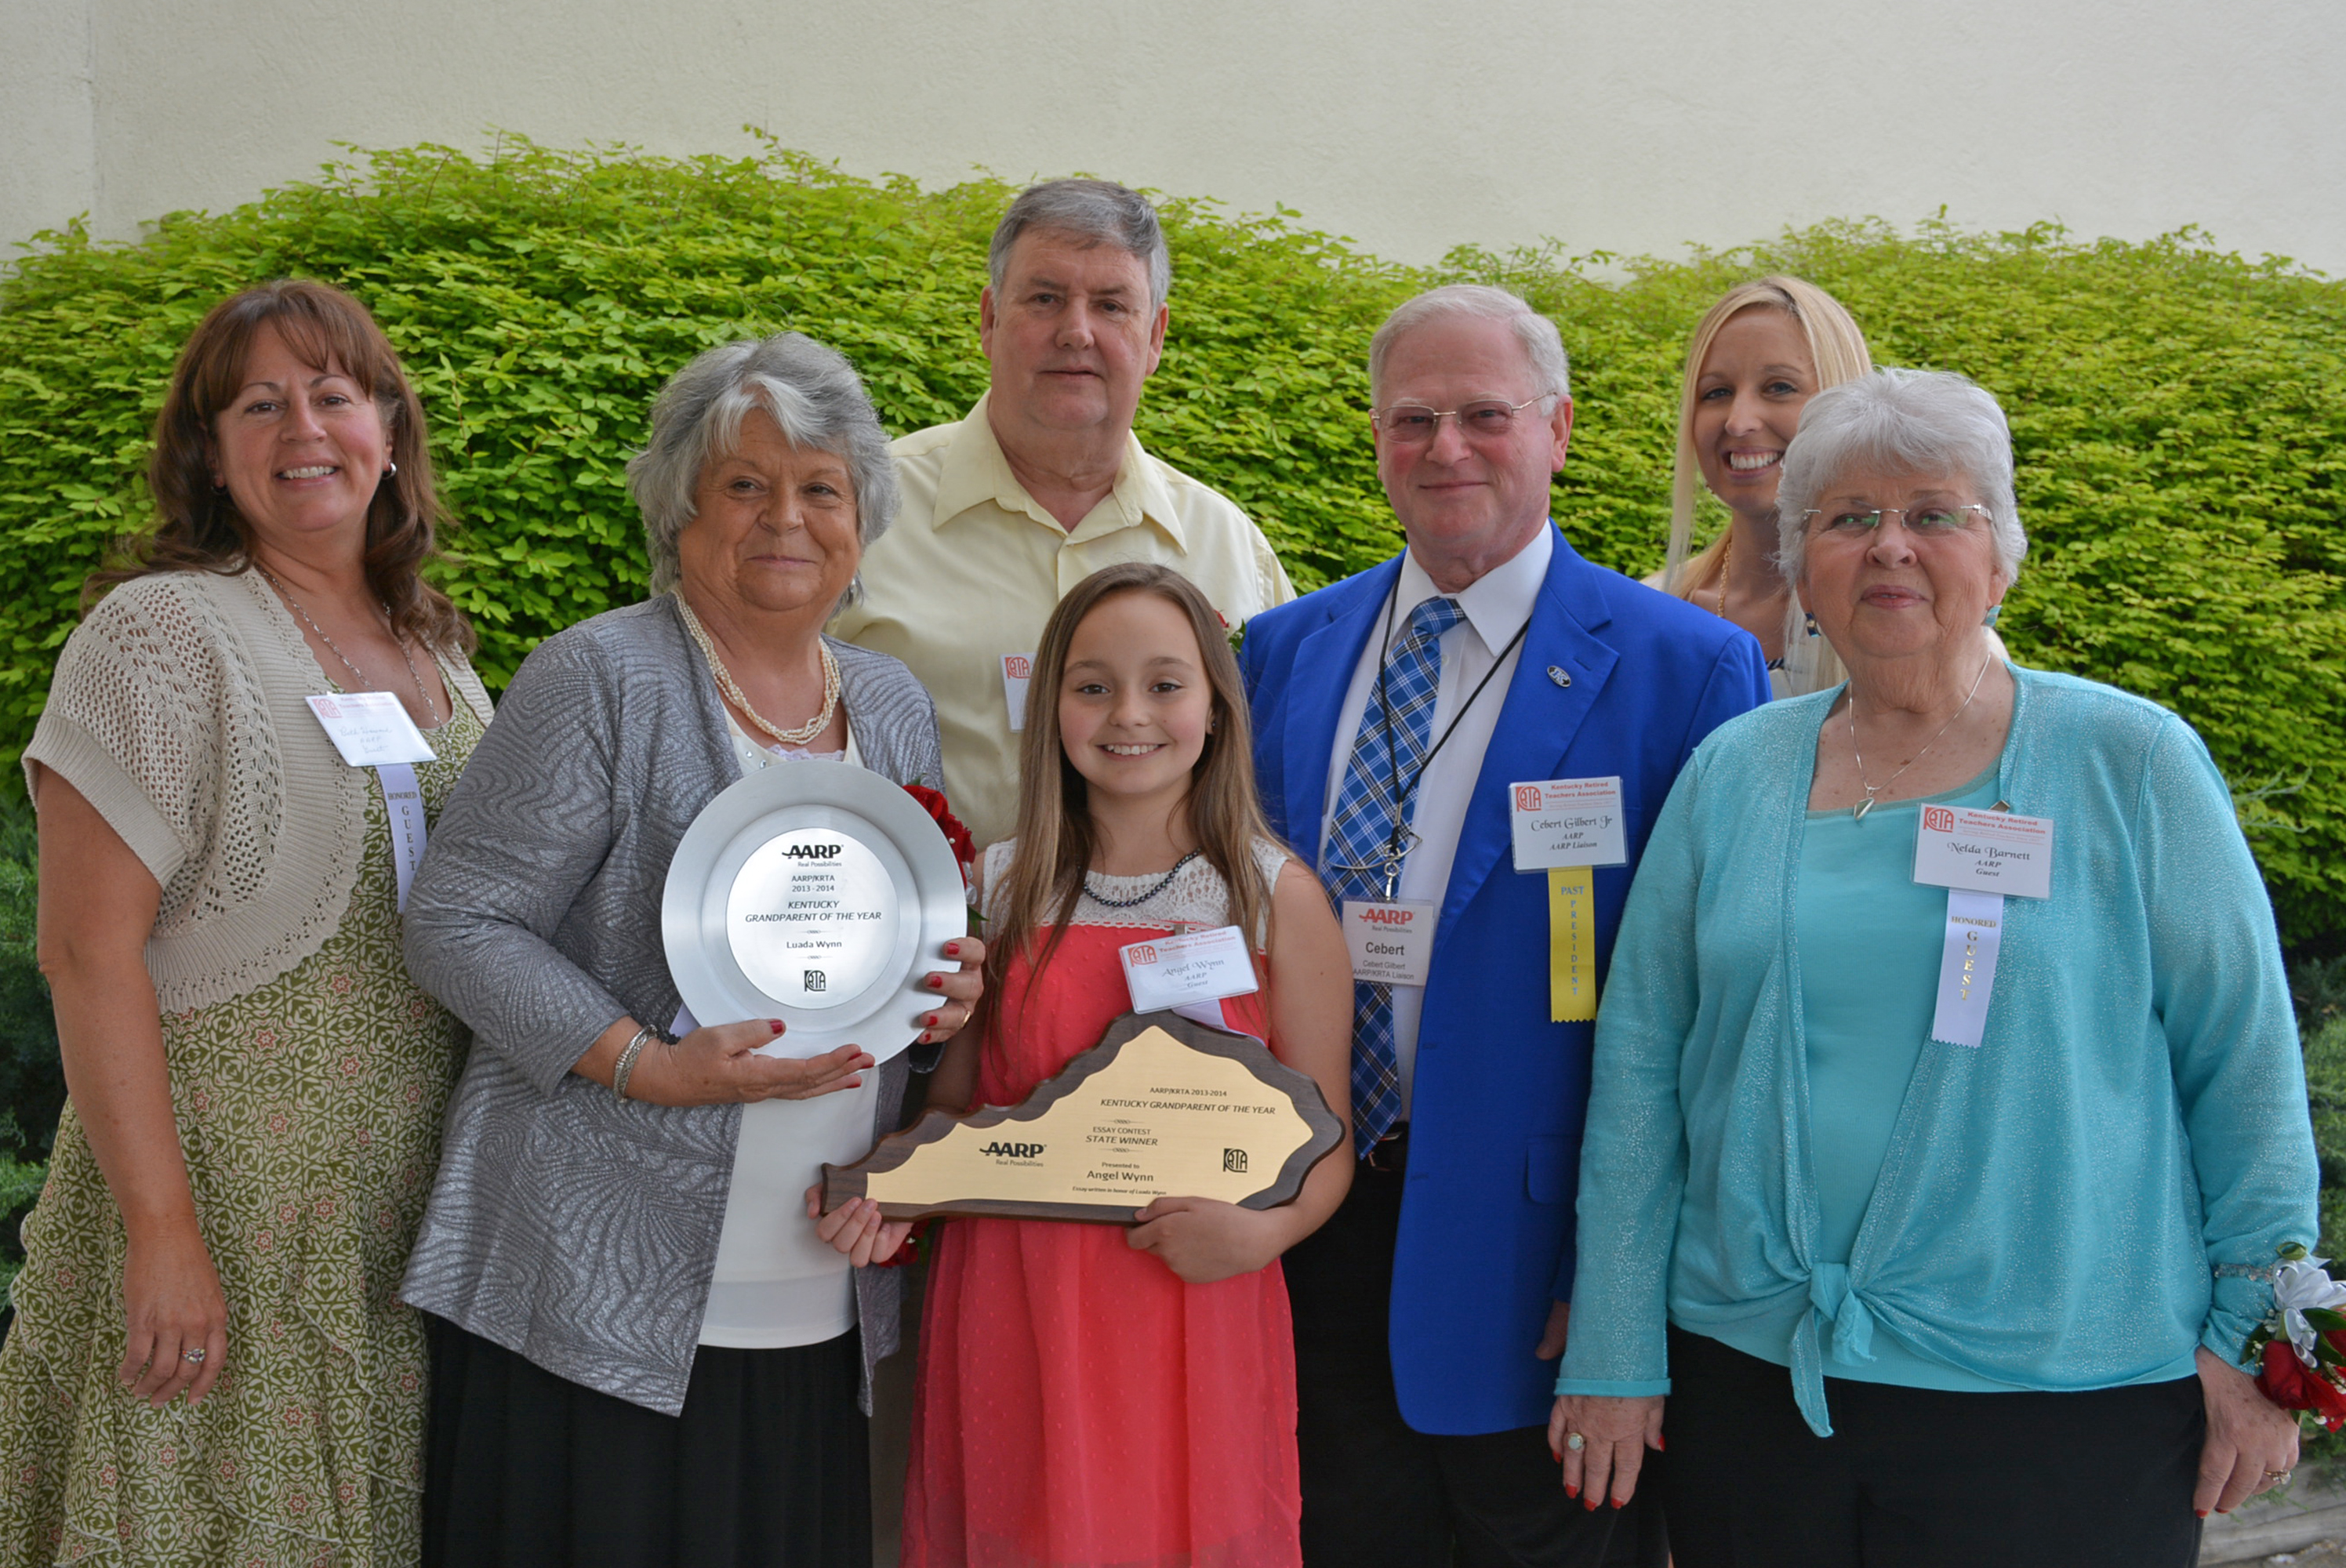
(1811, 621)
(1994, 614)
(391, 471)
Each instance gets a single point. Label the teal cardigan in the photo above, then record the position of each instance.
(2096, 1189)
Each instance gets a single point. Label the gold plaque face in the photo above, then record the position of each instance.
(1160, 1107)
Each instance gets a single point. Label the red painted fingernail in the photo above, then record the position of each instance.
(775, 1024)
(1570, 1491)
(936, 982)
(1616, 1502)
(953, 949)
(1590, 1504)
(1662, 1444)
(930, 1022)
(2200, 1512)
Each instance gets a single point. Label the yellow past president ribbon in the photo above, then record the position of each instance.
(1571, 944)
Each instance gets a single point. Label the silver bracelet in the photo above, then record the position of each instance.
(626, 1067)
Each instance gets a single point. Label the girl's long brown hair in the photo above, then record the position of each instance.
(1055, 839)
(197, 528)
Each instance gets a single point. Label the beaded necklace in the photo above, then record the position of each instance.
(734, 694)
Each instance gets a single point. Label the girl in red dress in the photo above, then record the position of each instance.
(1090, 1395)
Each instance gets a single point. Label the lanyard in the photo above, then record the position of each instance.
(1394, 850)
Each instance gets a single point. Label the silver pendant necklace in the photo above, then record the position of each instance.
(1872, 790)
(423, 694)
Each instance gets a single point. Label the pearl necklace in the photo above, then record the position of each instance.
(734, 694)
(1162, 883)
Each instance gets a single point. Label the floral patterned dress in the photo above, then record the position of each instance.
(310, 1111)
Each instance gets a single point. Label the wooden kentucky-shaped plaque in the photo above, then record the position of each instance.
(1161, 1107)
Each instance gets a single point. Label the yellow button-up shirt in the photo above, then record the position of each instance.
(974, 565)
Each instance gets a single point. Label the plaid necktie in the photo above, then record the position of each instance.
(1378, 797)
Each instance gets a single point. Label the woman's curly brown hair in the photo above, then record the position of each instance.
(197, 526)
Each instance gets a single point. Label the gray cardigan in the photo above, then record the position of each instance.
(571, 1228)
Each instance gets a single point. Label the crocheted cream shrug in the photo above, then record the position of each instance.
(177, 711)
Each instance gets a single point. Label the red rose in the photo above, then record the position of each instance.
(2289, 1384)
(957, 836)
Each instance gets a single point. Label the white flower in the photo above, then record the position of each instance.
(2298, 1285)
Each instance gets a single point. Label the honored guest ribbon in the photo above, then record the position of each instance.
(406, 802)
(1967, 966)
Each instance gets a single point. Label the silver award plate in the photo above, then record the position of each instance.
(818, 893)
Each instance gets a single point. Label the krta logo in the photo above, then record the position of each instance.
(1144, 953)
(1385, 914)
(812, 852)
(1527, 797)
(1019, 666)
(1938, 819)
(1012, 1151)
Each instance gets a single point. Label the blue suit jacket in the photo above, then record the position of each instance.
(1614, 678)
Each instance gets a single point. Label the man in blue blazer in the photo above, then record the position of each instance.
(1394, 713)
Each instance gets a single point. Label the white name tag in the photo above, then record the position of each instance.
(370, 728)
(1967, 966)
(1391, 943)
(1171, 972)
(1568, 822)
(1984, 851)
(1017, 670)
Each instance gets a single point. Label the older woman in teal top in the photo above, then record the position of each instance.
(1937, 1201)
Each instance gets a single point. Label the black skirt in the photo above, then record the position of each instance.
(767, 1465)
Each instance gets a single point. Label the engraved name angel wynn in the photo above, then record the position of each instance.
(1142, 1115)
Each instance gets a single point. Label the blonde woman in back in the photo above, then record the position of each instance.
(1756, 358)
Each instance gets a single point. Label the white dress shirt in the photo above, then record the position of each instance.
(1497, 605)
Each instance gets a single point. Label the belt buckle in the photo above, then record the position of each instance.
(1389, 1154)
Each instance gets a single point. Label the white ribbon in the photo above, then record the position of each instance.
(1212, 1016)
(1967, 969)
(404, 801)
(2298, 1285)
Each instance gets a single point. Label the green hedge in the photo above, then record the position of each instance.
(2180, 412)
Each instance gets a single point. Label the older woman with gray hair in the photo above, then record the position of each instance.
(1947, 1119)
(643, 1352)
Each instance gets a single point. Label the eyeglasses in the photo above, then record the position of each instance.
(1927, 522)
(1414, 424)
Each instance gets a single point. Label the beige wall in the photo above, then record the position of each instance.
(1632, 124)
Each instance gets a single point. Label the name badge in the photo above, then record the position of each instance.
(1391, 943)
(370, 728)
(1171, 972)
(1979, 851)
(1017, 670)
(1568, 822)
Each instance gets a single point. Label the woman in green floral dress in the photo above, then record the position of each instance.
(208, 1364)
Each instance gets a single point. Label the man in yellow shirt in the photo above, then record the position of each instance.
(1043, 485)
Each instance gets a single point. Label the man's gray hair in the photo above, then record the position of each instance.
(813, 396)
(1928, 424)
(1099, 211)
(1543, 344)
